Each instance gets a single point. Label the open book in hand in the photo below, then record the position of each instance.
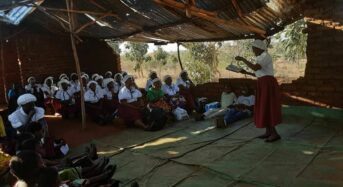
(233, 68)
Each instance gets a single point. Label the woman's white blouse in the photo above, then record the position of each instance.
(130, 95)
(170, 90)
(265, 60)
(93, 97)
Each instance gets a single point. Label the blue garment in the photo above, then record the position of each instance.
(234, 115)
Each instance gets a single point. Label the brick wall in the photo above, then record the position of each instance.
(43, 54)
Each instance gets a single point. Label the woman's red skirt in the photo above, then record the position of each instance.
(267, 110)
(129, 115)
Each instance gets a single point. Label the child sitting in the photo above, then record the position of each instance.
(242, 108)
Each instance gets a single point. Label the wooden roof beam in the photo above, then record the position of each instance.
(90, 23)
(210, 17)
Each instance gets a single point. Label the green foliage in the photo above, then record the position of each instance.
(161, 56)
(137, 52)
(292, 41)
(114, 45)
(204, 60)
(199, 72)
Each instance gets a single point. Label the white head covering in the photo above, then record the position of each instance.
(49, 78)
(71, 75)
(91, 82)
(26, 98)
(63, 75)
(30, 78)
(152, 72)
(108, 72)
(118, 74)
(94, 76)
(107, 81)
(62, 81)
(127, 77)
(182, 72)
(259, 44)
(166, 77)
(155, 80)
(98, 77)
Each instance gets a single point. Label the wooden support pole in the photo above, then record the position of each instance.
(3, 67)
(178, 55)
(77, 63)
(78, 11)
(210, 16)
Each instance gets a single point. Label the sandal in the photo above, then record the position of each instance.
(269, 140)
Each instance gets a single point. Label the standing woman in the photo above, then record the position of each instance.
(267, 110)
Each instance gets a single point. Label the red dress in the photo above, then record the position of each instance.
(267, 110)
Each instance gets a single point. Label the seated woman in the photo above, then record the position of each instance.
(64, 100)
(118, 78)
(242, 107)
(131, 104)
(74, 82)
(156, 98)
(152, 76)
(49, 90)
(171, 91)
(185, 85)
(110, 101)
(108, 74)
(35, 89)
(63, 76)
(94, 103)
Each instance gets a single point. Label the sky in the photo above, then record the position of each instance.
(171, 47)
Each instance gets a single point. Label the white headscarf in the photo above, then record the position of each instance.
(30, 78)
(91, 82)
(98, 77)
(127, 77)
(26, 98)
(63, 75)
(260, 44)
(94, 76)
(105, 82)
(49, 78)
(118, 74)
(71, 75)
(62, 81)
(108, 72)
(155, 80)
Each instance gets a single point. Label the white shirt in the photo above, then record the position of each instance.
(106, 92)
(19, 118)
(246, 100)
(265, 60)
(75, 85)
(186, 84)
(64, 95)
(227, 99)
(93, 97)
(130, 95)
(170, 90)
(29, 88)
(148, 84)
(50, 90)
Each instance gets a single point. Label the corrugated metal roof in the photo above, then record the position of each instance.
(17, 14)
(145, 20)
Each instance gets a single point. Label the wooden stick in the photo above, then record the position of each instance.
(3, 66)
(211, 18)
(97, 5)
(90, 23)
(178, 55)
(77, 63)
(19, 63)
(78, 11)
(182, 6)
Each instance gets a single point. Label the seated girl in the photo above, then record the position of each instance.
(156, 98)
(131, 103)
(49, 90)
(110, 92)
(185, 85)
(242, 107)
(64, 100)
(94, 103)
(171, 92)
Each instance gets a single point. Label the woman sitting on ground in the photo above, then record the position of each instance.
(110, 92)
(94, 103)
(186, 85)
(152, 76)
(155, 96)
(65, 100)
(49, 90)
(171, 92)
(131, 103)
